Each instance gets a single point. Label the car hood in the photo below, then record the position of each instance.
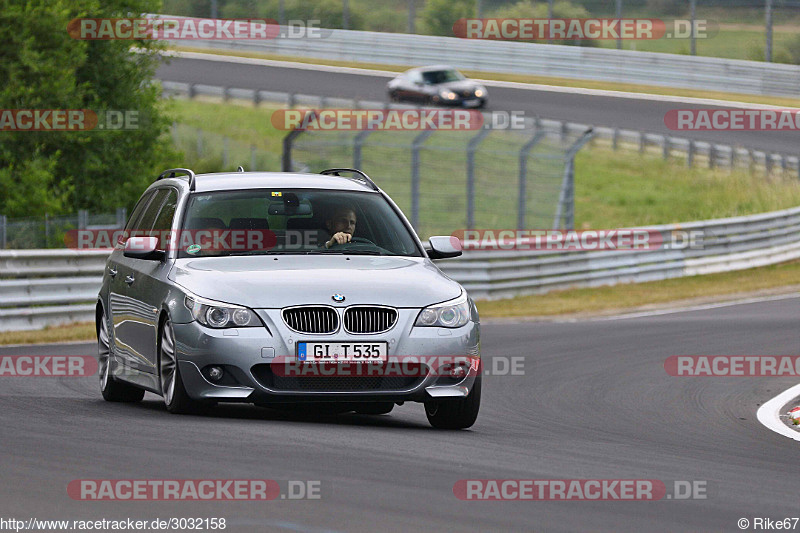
(460, 85)
(285, 280)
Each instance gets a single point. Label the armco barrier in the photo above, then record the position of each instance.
(605, 64)
(42, 287)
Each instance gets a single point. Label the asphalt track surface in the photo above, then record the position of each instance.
(594, 402)
(625, 113)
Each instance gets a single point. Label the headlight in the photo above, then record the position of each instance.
(219, 315)
(452, 314)
(480, 92)
(448, 95)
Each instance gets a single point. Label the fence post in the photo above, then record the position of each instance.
(192, 91)
(472, 146)
(122, 217)
(690, 154)
(286, 156)
(46, 229)
(358, 142)
(522, 193)
(291, 101)
(256, 97)
(415, 146)
(642, 141)
(712, 154)
(566, 199)
(83, 218)
(3, 231)
(666, 147)
(252, 157)
(615, 139)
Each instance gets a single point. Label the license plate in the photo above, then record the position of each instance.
(337, 352)
(472, 102)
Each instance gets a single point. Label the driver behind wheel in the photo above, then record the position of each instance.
(341, 225)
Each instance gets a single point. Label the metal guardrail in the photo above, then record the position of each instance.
(694, 152)
(34, 291)
(621, 66)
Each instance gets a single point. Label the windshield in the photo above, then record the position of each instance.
(442, 76)
(292, 221)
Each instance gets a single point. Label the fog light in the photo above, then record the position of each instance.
(215, 373)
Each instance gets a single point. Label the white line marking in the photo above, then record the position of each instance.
(769, 413)
(700, 307)
(489, 83)
(641, 314)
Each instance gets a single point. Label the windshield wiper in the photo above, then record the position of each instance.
(360, 252)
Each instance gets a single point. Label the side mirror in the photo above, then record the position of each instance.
(443, 247)
(144, 248)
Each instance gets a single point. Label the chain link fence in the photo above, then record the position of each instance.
(451, 180)
(51, 231)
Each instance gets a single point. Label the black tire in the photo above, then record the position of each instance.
(176, 400)
(377, 408)
(455, 414)
(111, 389)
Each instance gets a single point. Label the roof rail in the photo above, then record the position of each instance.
(173, 172)
(335, 172)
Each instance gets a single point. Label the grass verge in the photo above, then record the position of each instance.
(83, 331)
(519, 78)
(621, 298)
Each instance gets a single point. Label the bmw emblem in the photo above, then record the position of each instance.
(338, 297)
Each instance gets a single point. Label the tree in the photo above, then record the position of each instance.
(438, 16)
(44, 68)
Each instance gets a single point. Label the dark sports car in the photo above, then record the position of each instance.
(437, 85)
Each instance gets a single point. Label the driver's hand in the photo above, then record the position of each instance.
(338, 238)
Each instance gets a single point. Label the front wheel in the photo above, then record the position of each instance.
(176, 399)
(455, 414)
(111, 389)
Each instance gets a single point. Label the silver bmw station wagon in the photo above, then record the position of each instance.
(285, 290)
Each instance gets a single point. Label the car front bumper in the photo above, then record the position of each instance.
(249, 355)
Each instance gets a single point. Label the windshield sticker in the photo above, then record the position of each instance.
(193, 249)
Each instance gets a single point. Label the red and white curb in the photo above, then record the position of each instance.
(769, 413)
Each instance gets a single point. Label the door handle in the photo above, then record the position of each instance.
(112, 272)
(129, 280)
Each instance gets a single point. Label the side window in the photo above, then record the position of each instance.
(163, 223)
(148, 219)
(135, 216)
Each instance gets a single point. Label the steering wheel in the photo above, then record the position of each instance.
(360, 240)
